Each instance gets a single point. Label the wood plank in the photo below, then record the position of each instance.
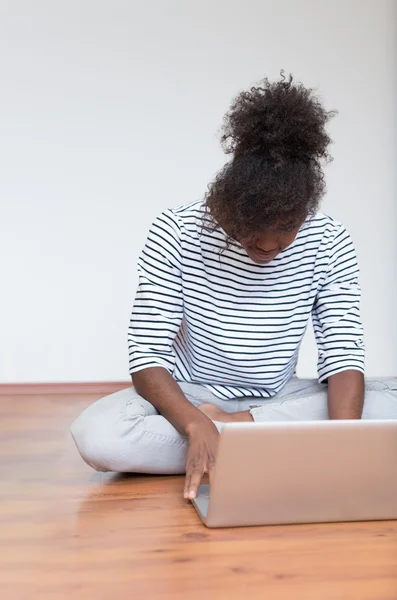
(61, 388)
(68, 532)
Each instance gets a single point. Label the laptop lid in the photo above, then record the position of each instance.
(302, 472)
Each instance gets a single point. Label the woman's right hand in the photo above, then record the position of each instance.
(203, 438)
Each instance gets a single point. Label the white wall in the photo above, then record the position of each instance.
(108, 114)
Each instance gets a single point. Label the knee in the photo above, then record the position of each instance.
(382, 384)
(381, 399)
(89, 441)
(104, 439)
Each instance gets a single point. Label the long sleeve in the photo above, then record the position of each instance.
(336, 312)
(158, 308)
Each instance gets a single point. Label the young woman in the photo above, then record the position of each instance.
(226, 289)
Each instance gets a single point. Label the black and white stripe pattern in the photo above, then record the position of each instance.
(210, 315)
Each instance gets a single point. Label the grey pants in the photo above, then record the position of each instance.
(125, 433)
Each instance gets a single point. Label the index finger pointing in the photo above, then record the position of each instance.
(194, 483)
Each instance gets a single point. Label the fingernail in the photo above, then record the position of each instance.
(192, 495)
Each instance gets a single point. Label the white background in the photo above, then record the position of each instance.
(109, 111)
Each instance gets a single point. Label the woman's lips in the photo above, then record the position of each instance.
(262, 256)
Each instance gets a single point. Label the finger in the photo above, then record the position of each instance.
(187, 483)
(195, 482)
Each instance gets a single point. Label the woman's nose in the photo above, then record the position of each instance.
(266, 245)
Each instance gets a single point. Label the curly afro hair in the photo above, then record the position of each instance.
(276, 134)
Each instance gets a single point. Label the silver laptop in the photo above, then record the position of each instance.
(302, 472)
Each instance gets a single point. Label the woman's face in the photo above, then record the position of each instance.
(263, 248)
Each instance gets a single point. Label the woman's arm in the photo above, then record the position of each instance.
(346, 395)
(155, 321)
(339, 332)
(159, 388)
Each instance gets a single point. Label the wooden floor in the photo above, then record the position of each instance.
(67, 532)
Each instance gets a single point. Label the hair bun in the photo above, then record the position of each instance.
(279, 121)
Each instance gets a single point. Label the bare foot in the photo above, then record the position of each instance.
(215, 413)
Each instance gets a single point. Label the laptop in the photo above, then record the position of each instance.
(302, 472)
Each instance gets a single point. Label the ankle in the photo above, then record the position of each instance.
(243, 416)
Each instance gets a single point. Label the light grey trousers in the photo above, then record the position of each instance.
(125, 433)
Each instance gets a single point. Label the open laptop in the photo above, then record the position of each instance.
(302, 472)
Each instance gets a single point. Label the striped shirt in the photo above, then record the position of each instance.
(209, 315)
